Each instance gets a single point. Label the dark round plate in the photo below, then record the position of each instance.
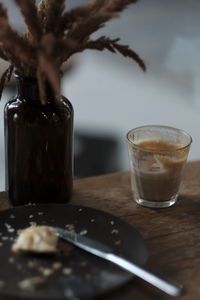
(73, 273)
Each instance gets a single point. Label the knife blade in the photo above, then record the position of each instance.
(103, 251)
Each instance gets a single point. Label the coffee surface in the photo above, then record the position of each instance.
(158, 145)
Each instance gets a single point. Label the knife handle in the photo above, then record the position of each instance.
(149, 277)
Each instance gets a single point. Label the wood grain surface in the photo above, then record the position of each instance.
(172, 234)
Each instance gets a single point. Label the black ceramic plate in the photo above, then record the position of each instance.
(73, 273)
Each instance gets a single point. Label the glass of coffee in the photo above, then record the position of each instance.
(157, 156)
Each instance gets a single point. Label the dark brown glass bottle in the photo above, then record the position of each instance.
(38, 146)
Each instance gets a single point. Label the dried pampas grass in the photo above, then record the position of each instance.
(53, 35)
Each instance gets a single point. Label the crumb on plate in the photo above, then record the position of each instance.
(46, 271)
(118, 242)
(56, 265)
(83, 232)
(67, 271)
(31, 283)
(11, 260)
(2, 283)
(70, 227)
(115, 231)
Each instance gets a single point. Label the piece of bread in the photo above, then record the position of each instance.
(40, 239)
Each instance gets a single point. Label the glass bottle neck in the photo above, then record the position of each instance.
(27, 89)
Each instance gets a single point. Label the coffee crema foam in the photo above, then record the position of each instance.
(159, 145)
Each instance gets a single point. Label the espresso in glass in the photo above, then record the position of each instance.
(157, 157)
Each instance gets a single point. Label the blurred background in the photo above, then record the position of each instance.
(111, 95)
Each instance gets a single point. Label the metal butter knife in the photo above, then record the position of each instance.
(101, 250)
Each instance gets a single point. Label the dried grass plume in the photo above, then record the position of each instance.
(53, 35)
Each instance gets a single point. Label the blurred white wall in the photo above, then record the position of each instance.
(111, 94)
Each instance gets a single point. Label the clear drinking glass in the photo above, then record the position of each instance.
(157, 156)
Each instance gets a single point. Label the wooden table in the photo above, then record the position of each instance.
(172, 234)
